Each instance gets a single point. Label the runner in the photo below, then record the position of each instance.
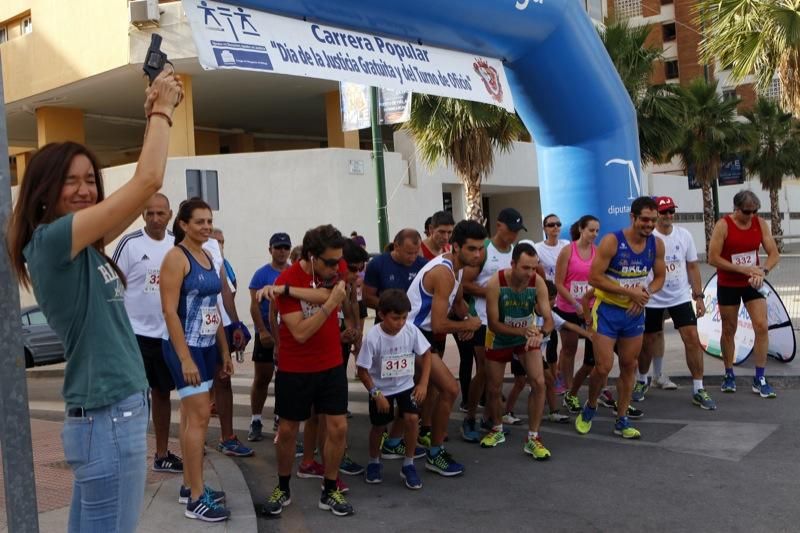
(497, 257)
(439, 231)
(264, 344)
(189, 287)
(139, 255)
(511, 299)
(619, 274)
(386, 366)
(572, 281)
(311, 374)
(682, 285)
(740, 279)
(434, 292)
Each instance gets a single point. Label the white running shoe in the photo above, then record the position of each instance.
(663, 382)
(509, 418)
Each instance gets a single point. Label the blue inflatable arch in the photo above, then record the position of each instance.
(565, 88)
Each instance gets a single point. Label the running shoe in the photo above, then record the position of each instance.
(399, 451)
(572, 403)
(185, 493)
(556, 418)
(256, 431)
(583, 422)
(462, 408)
(205, 509)
(409, 475)
(639, 390)
(311, 470)
(340, 486)
(703, 400)
(298, 449)
(335, 502)
(762, 388)
(443, 464)
(559, 386)
(632, 412)
(468, 431)
(492, 439)
(374, 473)
(350, 467)
(624, 429)
(276, 502)
(234, 448)
(728, 383)
(663, 382)
(509, 418)
(424, 439)
(606, 399)
(535, 448)
(168, 463)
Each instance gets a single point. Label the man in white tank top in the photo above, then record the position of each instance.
(433, 293)
(497, 257)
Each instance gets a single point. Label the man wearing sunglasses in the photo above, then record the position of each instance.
(623, 263)
(682, 286)
(263, 357)
(733, 249)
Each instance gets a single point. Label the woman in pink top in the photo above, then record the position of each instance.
(572, 282)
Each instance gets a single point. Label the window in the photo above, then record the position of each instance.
(729, 94)
(773, 92)
(668, 32)
(671, 69)
(666, 2)
(27, 25)
(625, 9)
(3, 34)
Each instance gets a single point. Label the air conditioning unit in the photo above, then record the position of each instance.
(143, 12)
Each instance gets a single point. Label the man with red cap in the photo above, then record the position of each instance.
(681, 286)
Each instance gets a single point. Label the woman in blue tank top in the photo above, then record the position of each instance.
(189, 287)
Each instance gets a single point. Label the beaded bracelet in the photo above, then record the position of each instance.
(159, 113)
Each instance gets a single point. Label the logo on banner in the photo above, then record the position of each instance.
(634, 185)
(523, 4)
(490, 79)
(245, 24)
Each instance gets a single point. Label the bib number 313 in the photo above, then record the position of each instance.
(397, 365)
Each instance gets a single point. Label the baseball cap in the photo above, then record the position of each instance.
(511, 218)
(280, 239)
(664, 203)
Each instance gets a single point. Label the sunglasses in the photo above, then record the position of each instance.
(553, 225)
(330, 262)
(667, 212)
(282, 247)
(749, 211)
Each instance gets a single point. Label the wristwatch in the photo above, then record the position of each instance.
(766, 271)
(696, 295)
(374, 392)
(286, 290)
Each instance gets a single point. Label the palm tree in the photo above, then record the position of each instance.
(772, 152)
(755, 37)
(657, 109)
(465, 135)
(708, 133)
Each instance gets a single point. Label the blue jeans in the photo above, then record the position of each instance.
(107, 451)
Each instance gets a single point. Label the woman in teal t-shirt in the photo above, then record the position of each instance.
(56, 236)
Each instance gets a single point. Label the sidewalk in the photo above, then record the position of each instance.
(161, 510)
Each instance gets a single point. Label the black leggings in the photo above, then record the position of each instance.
(466, 354)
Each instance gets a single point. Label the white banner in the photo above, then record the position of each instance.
(235, 37)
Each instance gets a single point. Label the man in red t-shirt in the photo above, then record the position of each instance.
(310, 371)
(733, 249)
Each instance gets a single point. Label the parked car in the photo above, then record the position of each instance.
(42, 345)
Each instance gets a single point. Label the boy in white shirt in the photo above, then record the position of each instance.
(389, 356)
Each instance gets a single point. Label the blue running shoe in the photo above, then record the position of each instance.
(468, 431)
(639, 391)
(205, 509)
(374, 473)
(624, 429)
(234, 448)
(762, 388)
(350, 467)
(184, 494)
(411, 478)
(443, 464)
(583, 422)
(728, 383)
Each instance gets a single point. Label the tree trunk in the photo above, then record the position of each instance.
(708, 213)
(775, 215)
(474, 200)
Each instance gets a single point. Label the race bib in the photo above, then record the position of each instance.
(211, 320)
(674, 269)
(151, 280)
(744, 259)
(578, 288)
(630, 283)
(397, 365)
(518, 322)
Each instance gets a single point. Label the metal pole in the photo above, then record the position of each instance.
(380, 173)
(15, 422)
(715, 183)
